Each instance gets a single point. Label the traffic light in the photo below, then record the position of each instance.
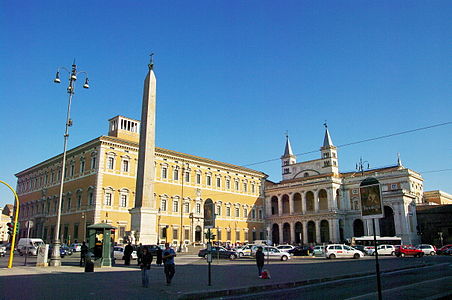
(10, 228)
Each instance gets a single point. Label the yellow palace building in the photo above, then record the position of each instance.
(99, 186)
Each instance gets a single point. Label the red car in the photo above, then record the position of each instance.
(443, 249)
(405, 250)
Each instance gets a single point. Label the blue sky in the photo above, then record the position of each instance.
(232, 77)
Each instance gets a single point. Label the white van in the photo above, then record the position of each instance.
(29, 245)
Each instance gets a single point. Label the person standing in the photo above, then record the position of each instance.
(127, 254)
(83, 253)
(159, 256)
(260, 259)
(139, 253)
(168, 262)
(145, 265)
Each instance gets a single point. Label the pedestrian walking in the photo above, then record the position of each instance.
(83, 253)
(159, 256)
(145, 265)
(168, 262)
(260, 259)
(128, 254)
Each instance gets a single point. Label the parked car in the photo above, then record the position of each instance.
(286, 248)
(219, 252)
(443, 249)
(318, 250)
(448, 251)
(274, 253)
(361, 248)
(342, 251)
(67, 250)
(153, 248)
(405, 250)
(301, 251)
(244, 250)
(118, 253)
(76, 247)
(383, 250)
(427, 249)
(62, 251)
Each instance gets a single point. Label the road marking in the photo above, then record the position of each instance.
(398, 288)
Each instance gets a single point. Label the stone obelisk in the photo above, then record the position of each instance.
(144, 214)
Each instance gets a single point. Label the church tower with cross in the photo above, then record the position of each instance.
(329, 153)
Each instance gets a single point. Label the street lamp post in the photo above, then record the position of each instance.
(55, 259)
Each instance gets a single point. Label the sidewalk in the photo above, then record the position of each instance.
(190, 281)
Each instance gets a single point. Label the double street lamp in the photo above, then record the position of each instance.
(55, 259)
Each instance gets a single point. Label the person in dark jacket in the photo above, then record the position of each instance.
(260, 259)
(159, 256)
(128, 254)
(83, 253)
(145, 265)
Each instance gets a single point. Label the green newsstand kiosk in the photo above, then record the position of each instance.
(99, 243)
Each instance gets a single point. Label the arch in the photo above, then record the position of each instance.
(323, 200)
(324, 231)
(305, 173)
(338, 199)
(275, 234)
(311, 232)
(297, 203)
(358, 228)
(387, 225)
(286, 233)
(309, 201)
(298, 233)
(341, 230)
(285, 204)
(274, 205)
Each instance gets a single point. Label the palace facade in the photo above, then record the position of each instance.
(99, 186)
(315, 203)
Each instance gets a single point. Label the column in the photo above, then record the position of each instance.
(369, 227)
(336, 235)
(317, 231)
(281, 237)
(292, 232)
(316, 201)
(291, 203)
(268, 201)
(303, 202)
(377, 227)
(305, 232)
(333, 199)
(330, 230)
(279, 205)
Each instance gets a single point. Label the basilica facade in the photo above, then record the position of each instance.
(315, 203)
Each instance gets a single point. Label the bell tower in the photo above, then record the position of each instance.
(287, 159)
(329, 154)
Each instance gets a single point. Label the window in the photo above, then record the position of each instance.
(218, 182)
(245, 213)
(79, 201)
(123, 200)
(75, 231)
(198, 178)
(175, 206)
(164, 172)
(122, 231)
(219, 235)
(93, 162)
(393, 186)
(91, 198)
(163, 233)
(68, 203)
(237, 235)
(82, 166)
(187, 176)
(228, 184)
(236, 185)
(163, 205)
(253, 214)
(228, 235)
(286, 171)
(125, 166)
(176, 174)
(245, 187)
(198, 208)
(253, 188)
(111, 163)
(237, 212)
(108, 199)
(218, 212)
(175, 233)
(187, 234)
(186, 207)
(228, 211)
(209, 180)
(72, 170)
(260, 214)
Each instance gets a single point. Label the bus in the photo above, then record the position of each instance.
(368, 241)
